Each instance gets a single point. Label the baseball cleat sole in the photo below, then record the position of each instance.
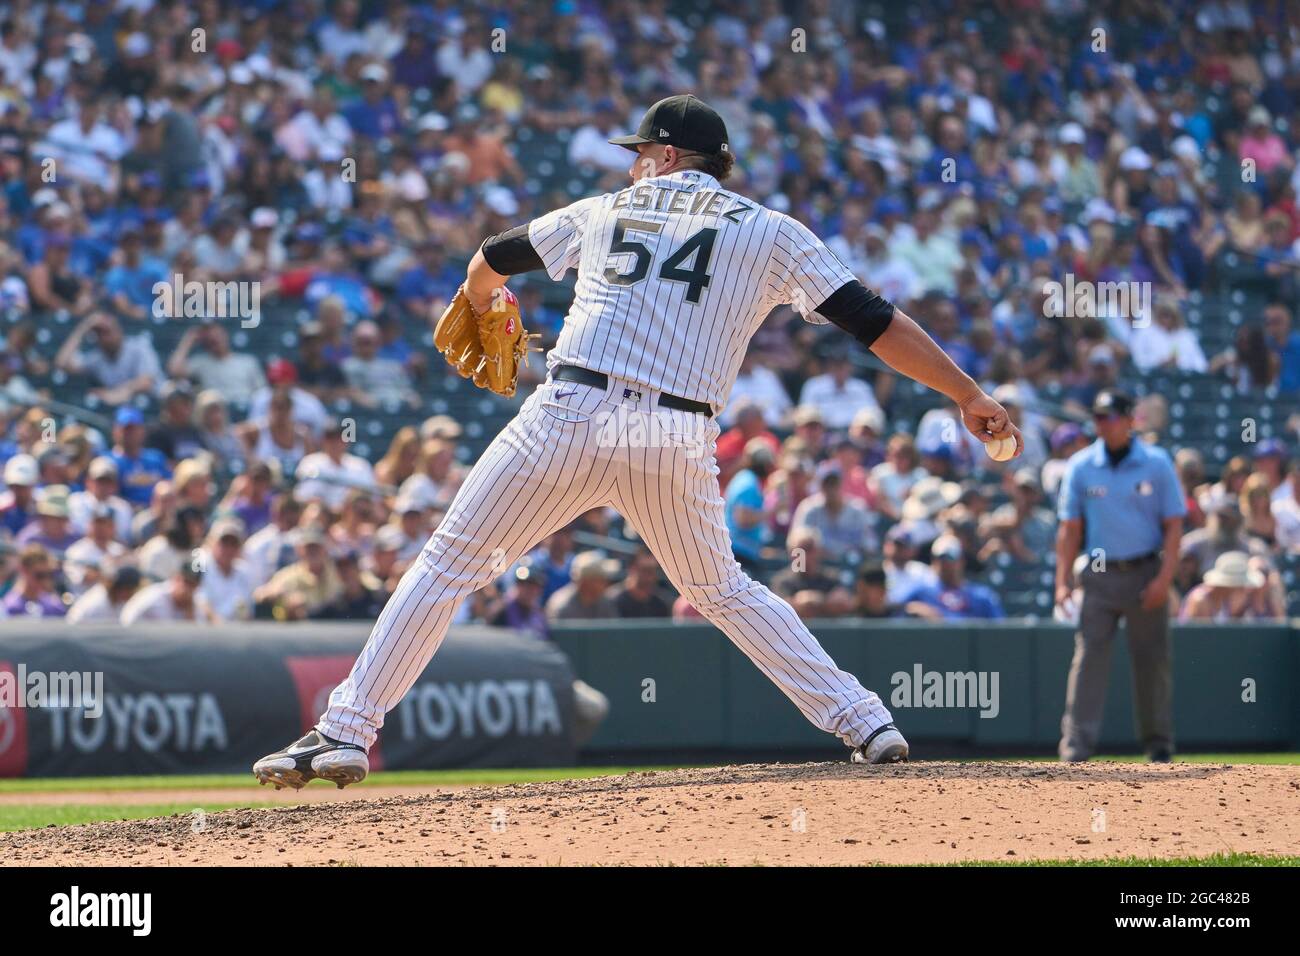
(314, 756)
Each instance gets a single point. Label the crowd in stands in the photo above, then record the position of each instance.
(345, 158)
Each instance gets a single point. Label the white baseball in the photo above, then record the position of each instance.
(1000, 449)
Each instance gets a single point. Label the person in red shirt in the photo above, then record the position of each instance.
(731, 443)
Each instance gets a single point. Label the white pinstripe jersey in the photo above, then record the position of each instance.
(675, 274)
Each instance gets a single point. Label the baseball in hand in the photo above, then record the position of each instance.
(1000, 449)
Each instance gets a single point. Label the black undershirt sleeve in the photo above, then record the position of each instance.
(511, 252)
(858, 311)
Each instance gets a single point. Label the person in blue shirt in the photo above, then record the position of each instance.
(130, 283)
(746, 519)
(1285, 344)
(1122, 505)
(952, 597)
(138, 468)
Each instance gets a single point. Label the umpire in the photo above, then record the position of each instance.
(1121, 499)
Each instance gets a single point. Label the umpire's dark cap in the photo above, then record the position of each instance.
(1111, 402)
(683, 121)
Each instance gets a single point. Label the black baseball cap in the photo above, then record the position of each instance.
(683, 121)
(1111, 402)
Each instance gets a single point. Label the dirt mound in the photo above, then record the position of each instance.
(825, 813)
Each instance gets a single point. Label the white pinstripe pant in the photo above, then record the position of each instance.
(572, 448)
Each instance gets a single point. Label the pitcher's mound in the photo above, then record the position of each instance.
(823, 813)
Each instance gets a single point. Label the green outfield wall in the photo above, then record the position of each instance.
(680, 688)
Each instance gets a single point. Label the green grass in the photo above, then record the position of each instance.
(383, 778)
(29, 817)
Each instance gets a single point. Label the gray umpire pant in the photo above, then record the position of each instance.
(1109, 596)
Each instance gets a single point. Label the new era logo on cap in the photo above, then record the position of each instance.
(683, 121)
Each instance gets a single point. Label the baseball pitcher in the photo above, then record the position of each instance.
(675, 274)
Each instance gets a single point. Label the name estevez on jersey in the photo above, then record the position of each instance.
(705, 202)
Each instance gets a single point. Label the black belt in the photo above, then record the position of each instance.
(585, 376)
(1128, 564)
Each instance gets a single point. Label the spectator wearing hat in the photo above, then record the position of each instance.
(305, 587)
(1035, 525)
(216, 436)
(1076, 176)
(871, 593)
(522, 609)
(926, 501)
(411, 518)
(100, 491)
(227, 584)
(1121, 504)
(1269, 461)
(331, 473)
(18, 502)
(96, 555)
(234, 375)
(373, 379)
(192, 484)
(383, 561)
(129, 284)
(746, 519)
(305, 408)
(34, 593)
(279, 436)
(805, 584)
(52, 528)
(271, 548)
(865, 431)
(836, 394)
(1235, 589)
(318, 375)
(846, 528)
(587, 596)
(361, 595)
(175, 434)
(138, 468)
(904, 573)
(952, 597)
(177, 598)
(103, 602)
(121, 366)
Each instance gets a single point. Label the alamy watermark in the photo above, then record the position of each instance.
(1091, 300)
(624, 427)
(83, 690)
(956, 689)
(179, 299)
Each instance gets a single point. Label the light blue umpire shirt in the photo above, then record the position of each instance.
(1123, 507)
